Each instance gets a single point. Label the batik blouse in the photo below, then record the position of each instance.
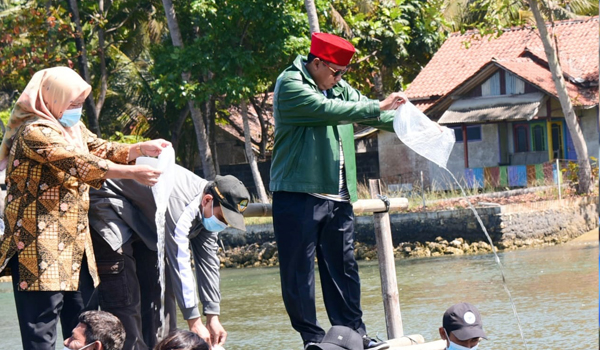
(46, 206)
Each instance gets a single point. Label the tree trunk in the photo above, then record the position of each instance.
(585, 171)
(102, 54)
(212, 132)
(176, 129)
(90, 106)
(208, 167)
(378, 85)
(313, 20)
(264, 130)
(260, 187)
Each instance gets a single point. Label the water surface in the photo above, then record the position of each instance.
(555, 290)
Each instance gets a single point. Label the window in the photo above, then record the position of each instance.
(491, 87)
(521, 132)
(514, 85)
(538, 139)
(473, 133)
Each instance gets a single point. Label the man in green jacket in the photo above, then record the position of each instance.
(313, 179)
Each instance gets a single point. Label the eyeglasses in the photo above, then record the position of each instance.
(336, 72)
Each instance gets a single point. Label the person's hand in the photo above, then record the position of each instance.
(218, 335)
(145, 174)
(196, 326)
(393, 101)
(153, 148)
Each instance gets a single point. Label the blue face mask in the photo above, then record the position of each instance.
(71, 117)
(212, 223)
(454, 346)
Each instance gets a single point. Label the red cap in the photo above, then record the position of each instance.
(331, 48)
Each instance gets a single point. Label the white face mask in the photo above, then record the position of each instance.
(87, 346)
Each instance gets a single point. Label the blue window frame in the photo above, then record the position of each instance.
(473, 133)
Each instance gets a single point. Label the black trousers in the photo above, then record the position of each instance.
(39, 312)
(305, 225)
(129, 289)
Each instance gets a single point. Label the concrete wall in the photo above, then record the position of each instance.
(549, 221)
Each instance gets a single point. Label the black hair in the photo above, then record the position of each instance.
(310, 58)
(104, 327)
(182, 340)
(210, 189)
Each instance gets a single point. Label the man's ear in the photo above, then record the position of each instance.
(206, 198)
(442, 333)
(98, 346)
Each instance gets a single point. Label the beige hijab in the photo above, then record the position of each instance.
(44, 100)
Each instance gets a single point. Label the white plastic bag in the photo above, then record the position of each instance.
(422, 135)
(165, 163)
(161, 192)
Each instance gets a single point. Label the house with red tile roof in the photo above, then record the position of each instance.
(499, 97)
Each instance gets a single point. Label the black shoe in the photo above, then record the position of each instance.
(373, 344)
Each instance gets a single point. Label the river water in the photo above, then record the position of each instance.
(555, 290)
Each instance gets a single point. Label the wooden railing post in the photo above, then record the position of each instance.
(387, 268)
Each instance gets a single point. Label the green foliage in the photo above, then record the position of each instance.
(237, 48)
(33, 38)
(4, 115)
(130, 139)
(394, 39)
(571, 172)
(494, 16)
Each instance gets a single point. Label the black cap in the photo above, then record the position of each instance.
(233, 197)
(464, 321)
(339, 338)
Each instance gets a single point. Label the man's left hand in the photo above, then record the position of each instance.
(218, 335)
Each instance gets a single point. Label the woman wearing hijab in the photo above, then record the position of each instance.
(51, 160)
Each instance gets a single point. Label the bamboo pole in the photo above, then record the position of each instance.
(387, 268)
(434, 345)
(406, 340)
(359, 207)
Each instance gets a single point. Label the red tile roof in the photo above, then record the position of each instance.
(541, 77)
(453, 63)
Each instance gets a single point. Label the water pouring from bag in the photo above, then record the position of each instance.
(161, 192)
(434, 142)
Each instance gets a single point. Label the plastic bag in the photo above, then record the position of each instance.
(422, 135)
(165, 163)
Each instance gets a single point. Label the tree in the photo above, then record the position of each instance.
(313, 20)
(208, 166)
(32, 38)
(394, 39)
(585, 171)
(92, 109)
(261, 38)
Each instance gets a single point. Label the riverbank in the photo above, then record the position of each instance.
(265, 255)
(515, 223)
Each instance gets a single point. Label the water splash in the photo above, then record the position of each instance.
(435, 143)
